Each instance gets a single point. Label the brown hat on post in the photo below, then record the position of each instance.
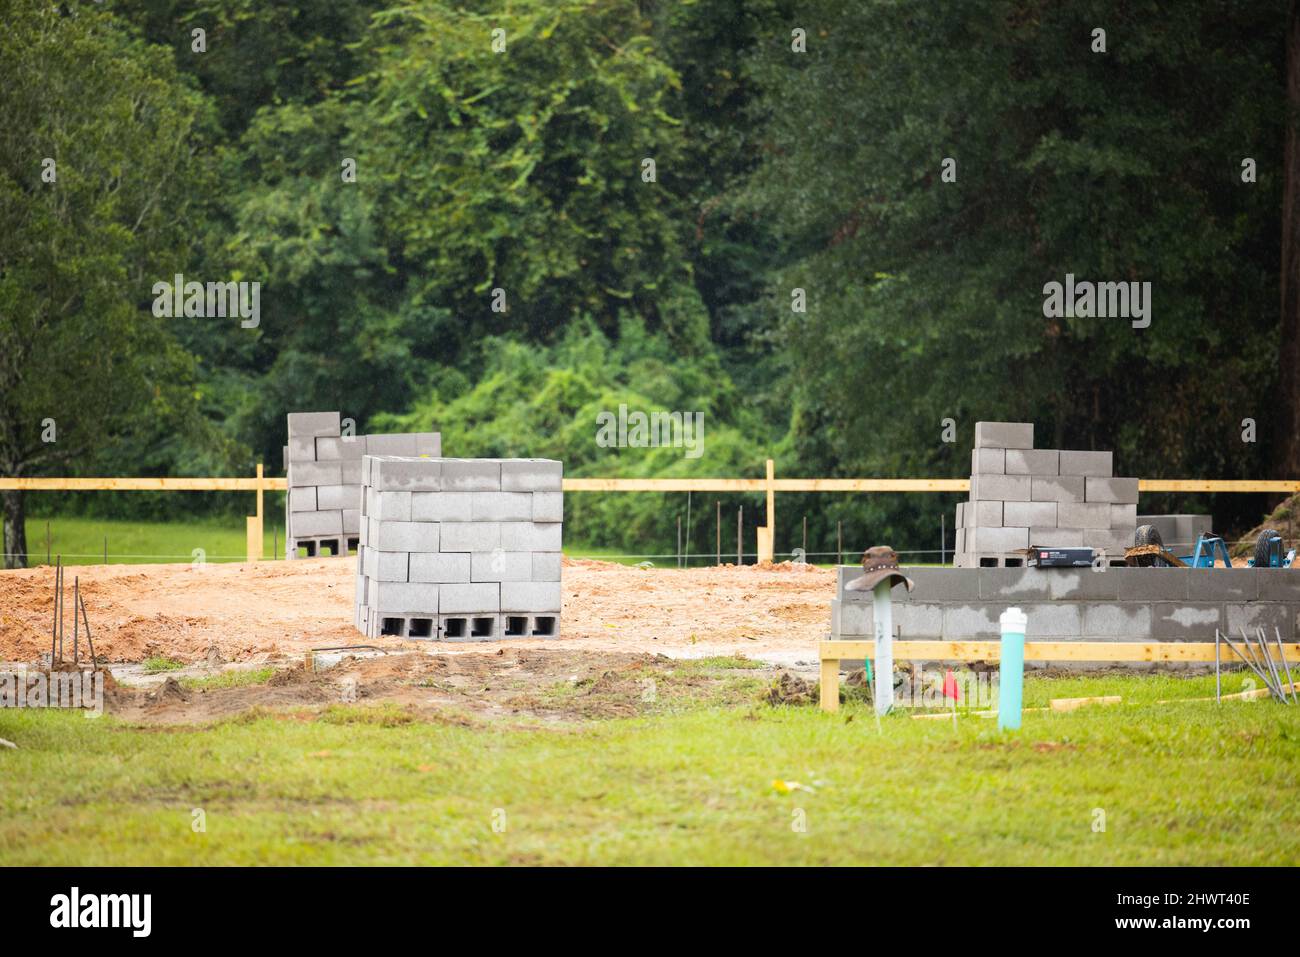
(878, 563)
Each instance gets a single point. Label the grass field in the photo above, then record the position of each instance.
(1188, 783)
(81, 541)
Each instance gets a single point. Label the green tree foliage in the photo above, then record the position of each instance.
(80, 352)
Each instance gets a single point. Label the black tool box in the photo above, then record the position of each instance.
(1060, 557)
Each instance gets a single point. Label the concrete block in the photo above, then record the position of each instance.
(361, 584)
(301, 448)
(405, 598)
(1112, 541)
(988, 461)
(313, 424)
(315, 524)
(428, 443)
(546, 566)
(1149, 584)
(1116, 621)
(1088, 464)
(406, 474)
(302, 499)
(402, 444)
(1278, 584)
(531, 475)
(338, 496)
(471, 536)
(1220, 584)
(1269, 615)
(1047, 536)
(501, 507)
(1122, 491)
(403, 536)
(531, 537)
(1195, 621)
(1189, 528)
(385, 566)
(851, 619)
(314, 473)
(998, 539)
(1003, 488)
(1004, 435)
(441, 506)
(441, 567)
(470, 598)
(971, 621)
(351, 471)
(959, 545)
(918, 620)
(1033, 462)
(1083, 515)
(1056, 488)
(501, 566)
(985, 514)
(1123, 516)
(1029, 513)
(530, 596)
(935, 585)
(1011, 586)
(389, 506)
(351, 522)
(1054, 621)
(470, 627)
(961, 515)
(471, 475)
(331, 448)
(547, 506)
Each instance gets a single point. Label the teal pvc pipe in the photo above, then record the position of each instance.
(1011, 669)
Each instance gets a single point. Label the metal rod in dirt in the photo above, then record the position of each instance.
(740, 522)
(1249, 664)
(1259, 666)
(1262, 638)
(76, 603)
(60, 617)
(94, 665)
(1277, 634)
(54, 620)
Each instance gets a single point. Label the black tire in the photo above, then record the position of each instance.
(1148, 535)
(1262, 547)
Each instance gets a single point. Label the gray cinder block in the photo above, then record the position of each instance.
(313, 424)
(403, 536)
(501, 507)
(971, 621)
(441, 506)
(1110, 540)
(530, 596)
(1054, 620)
(1189, 621)
(351, 471)
(1123, 515)
(301, 448)
(1266, 615)
(987, 514)
(1083, 515)
(532, 475)
(316, 524)
(351, 521)
(428, 443)
(1004, 435)
(303, 474)
(406, 474)
(302, 499)
(1057, 488)
(546, 566)
(1033, 462)
(1122, 491)
(548, 506)
(1049, 536)
(988, 461)
(471, 536)
(501, 566)
(1029, 513)
(389, 506)
(1149, 584)
(998, 539)
(471, 475)
(531, 537)
(1117, 621)
(331, 448)
(1002, 488)
(406, 598)
(1278, 584)
(385, 566)
(1088, 464)
(402, 444)
(471, 598)
(442, 567)
(852, 619)
(1222, 584)
(338, 496)
(917, 620)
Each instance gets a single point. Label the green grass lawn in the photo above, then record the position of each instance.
(1189, 783)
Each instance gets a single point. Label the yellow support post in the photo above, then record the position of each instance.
(253, 525)
(767, 535)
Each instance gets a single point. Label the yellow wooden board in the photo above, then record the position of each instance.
(1201, 651)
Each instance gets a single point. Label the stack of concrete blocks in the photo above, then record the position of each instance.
(1178, 532)
(1021, 497)
(323, 506)
(460, 549)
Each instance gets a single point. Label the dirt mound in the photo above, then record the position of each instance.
(169, 692)
(790, 689)
(1280, 520)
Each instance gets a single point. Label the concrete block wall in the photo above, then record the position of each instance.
(1178, 532)
(323, 506)
(1021, 497)
(1079, 604)
(459, 549)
